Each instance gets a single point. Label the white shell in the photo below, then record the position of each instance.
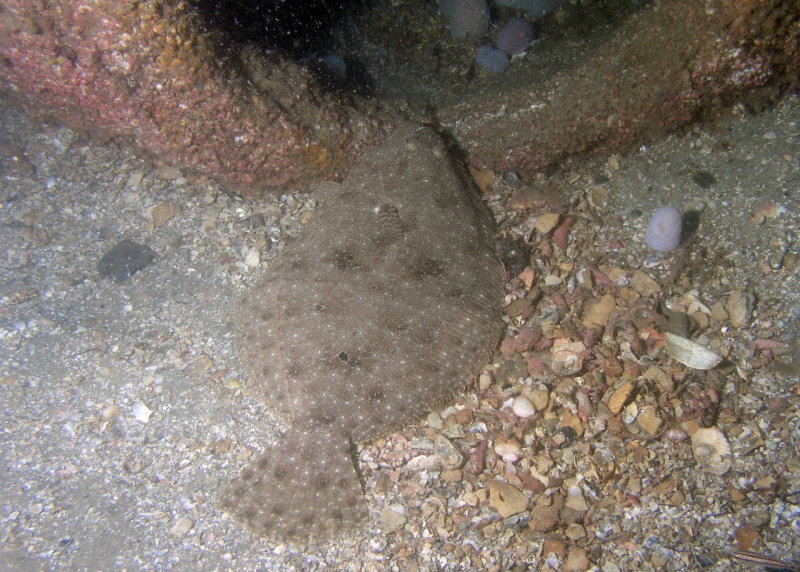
(691, 353)
(711, 450)
(523, 407)
(142, 412)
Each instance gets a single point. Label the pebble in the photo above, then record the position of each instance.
(546, 222)
(162, 212)
(125, 259)
(740, 307)
(448, 453)
(492, 60)
(506, 499)
(598, 311)
(664, 230)
(392, 519)
(515, 37)
(181, 527)
(253, 258)
(576, 561)
(141, 412)
(522, 407)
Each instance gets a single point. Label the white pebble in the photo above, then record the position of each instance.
(253, 258)
(523, 407)
(142, 412)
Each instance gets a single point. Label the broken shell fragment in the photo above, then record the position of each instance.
(711, 450)
(691, 353)
(619, 397)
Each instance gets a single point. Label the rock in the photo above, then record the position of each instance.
(125, 259)
(664, 230)
(141, 412)
(391, 519)
(649, 420)
(181, 527)
(598, 311)
(522, 407)
(576, 560)
(447, 452)
(492, 60)
(546, 222)
(575, 500)
(515, 37)
(644, 284)
(740, 307)
(466, 19)
(506, 499)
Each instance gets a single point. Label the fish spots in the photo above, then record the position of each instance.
(375, 313)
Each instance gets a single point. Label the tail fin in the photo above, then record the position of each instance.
(304, 488)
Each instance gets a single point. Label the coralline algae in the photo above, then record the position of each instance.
(664, 230)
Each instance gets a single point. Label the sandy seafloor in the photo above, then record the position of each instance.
(122, 409)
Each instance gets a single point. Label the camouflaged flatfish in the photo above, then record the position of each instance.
(378, 313)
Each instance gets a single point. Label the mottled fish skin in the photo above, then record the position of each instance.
(379, 312)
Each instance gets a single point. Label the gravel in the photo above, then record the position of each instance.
(123, 411)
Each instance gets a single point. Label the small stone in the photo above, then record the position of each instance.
(485, 381)
(576, 531)
(576, 560)
(644, 284)
(135, 179)
(575, 500)
(508, 449)
(554, 545)
(544, 516)
(746, 537)
(552, 280)
(124, 260)
(540, 399)
(649, 420)
(527, 198)
(391, 519)
(506, 499)
(169, 173)
(161, 213)
(253, 258)
(484, 178)
(546, 222)
(110, 411)
(740, 307)
(598, 311)
(447, 452)
(181, 527)
(452, 476)
(522, 407)
(141, 412)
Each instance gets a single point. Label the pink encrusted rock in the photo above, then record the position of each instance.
(145, 73)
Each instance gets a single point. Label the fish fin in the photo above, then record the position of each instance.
(305, 488)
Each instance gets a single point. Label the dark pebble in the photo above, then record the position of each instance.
(124, 260)
(703, 179)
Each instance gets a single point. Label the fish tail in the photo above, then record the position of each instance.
(304, 488)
